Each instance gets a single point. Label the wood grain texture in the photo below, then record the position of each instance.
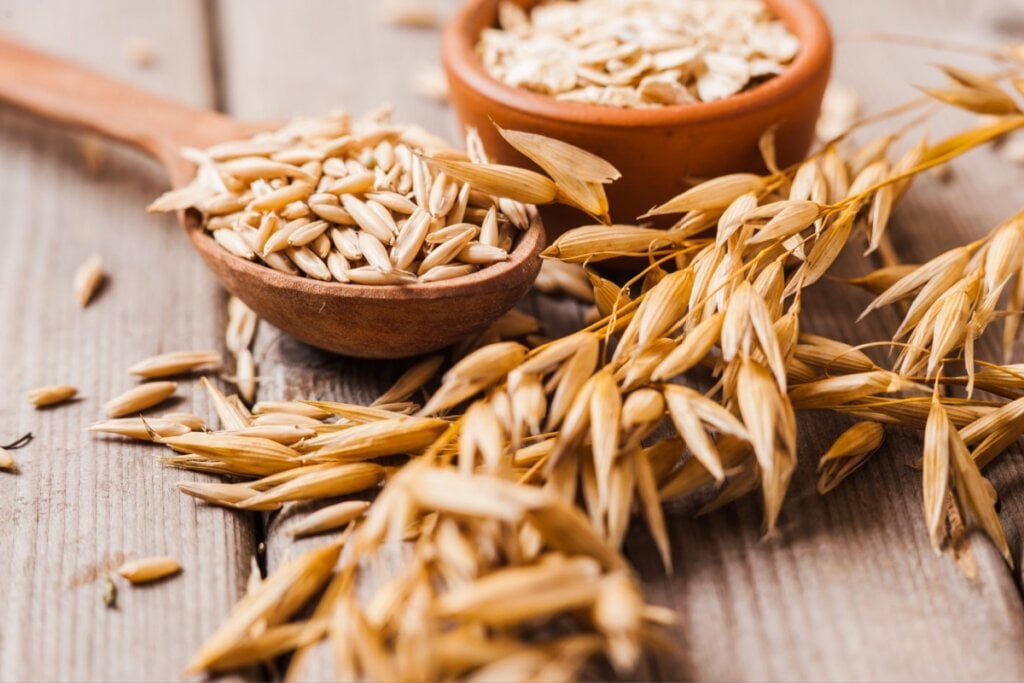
(79, 503)
(850, 589)
(282, 59)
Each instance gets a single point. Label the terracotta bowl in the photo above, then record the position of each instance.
(660, 152)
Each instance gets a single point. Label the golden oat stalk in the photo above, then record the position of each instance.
(576, 415)
(276, 598)
(579, 175)
(848, 452)
(950, 474)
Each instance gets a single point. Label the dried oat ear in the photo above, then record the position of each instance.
(579, 175)
(766, 146)
(974, 93)
(514, 183)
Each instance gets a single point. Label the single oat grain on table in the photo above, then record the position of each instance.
(42, 397)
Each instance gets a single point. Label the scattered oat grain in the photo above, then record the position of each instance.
(88, 278)
(149, 569)
(52, 395)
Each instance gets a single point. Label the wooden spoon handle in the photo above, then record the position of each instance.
(73, 95)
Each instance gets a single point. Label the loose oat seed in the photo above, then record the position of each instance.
(48, 396)
(431, 83)
(149, 569)
(413, 13)
(140, 398)
(88, 278)
(174, 363)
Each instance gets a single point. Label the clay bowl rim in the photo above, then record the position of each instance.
(803, 17)
(486, 281)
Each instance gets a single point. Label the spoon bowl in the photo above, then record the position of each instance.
(378, 321)
(356, 320)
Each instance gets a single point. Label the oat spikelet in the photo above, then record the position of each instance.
(618, 612)
(143, 429)
(330, 518)
(245, 375)
(935, 471)
(848, 452)
(693, 348)
(231, 416)
(841, 389)
(593, 243)
(974, 99)
(578, 174)
(976, 494)
(513, 595)
(226, 495)
(503, 181)
(690, 411)
(140, 398)
(279, 596)
(473, 373)
(717, 193)
(269, 644)
(174, 363)
(335, 481)
(995, 432)
(396, 436)
(241, 325)
(605, 418)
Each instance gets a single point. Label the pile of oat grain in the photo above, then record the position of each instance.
(637, 53)
(349, 201)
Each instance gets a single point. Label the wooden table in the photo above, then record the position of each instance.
(850, 590)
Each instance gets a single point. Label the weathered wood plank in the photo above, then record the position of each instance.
(328, 54)
(852, 588)
(79, 503)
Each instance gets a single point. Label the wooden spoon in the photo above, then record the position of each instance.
(357, 320)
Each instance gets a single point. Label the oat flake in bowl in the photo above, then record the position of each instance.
(637, 53)
(351, 202)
